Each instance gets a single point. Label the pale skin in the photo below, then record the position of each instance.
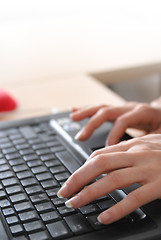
(134, 161)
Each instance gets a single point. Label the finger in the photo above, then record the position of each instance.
(85, 112)
(134, 200)
(129, 119)
(102, 115)
(91, 170)
(75, 109)
(115, 180)
(120, 147)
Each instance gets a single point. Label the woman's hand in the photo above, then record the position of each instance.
(133, 161)
(136, 115)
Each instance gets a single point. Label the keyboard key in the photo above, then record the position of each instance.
(49, 184)
(77, 223)
(28, 216)
(12, 220)
(26, 151)
(12, 156)
(19, 141)
(2, 160)
(18, 198)
(47, 157)
(62, 176)
(53, 143)
(6, 174)
(6, 145)
(68, 161)
(2, 194)
(52, 192)
(39, 198)
(59, 201)
(46, 138)
(22, 146)
(3, 139)
(16, 230)
(39, 169)
(103, 205)
(94, 222)
(9, 182)
(27, 132)
(4, 203)
(30, 157)
(15, 136)
(57, 169)
(39, 146)
(14, 189)
(91, 208)
(23, 175)
(4, 167)
(43, 207)
(43, 151)
(8, 211)
(65, 211)
(25, 206)
(20, 168)
(50, 216)
(44, 176)
(34, 190)
(9, 150)
(43, 235)
(15, 162)
(33, 226)
(12, 131)
(29, 182)
(34, 163)
(58, 230)
(52, 163)
(57, 149)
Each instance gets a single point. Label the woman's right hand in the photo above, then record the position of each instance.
(133, 114)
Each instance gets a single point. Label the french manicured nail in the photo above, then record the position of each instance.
(104, 218)
(78, 135)
(81, 134)
(68, 204)
(62, 191)
(73, 201)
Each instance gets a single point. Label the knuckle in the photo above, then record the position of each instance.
(135, 198)
(87, 191)
(95, 153)
(121, 120)
(102, 110)
(75, 178)
(143, 107)
(114, 177)
(136, 141)
(98, 162)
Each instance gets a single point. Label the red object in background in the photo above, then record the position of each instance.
(7, 102)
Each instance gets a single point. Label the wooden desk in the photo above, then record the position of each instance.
(40, 97)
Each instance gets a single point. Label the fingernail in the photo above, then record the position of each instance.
(104, 218)
(68, 204)
(59, 194)
(73, 202)
(62, 192)
(78, 135)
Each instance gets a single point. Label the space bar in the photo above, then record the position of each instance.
(68, 161)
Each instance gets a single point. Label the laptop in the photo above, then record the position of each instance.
(37, 156)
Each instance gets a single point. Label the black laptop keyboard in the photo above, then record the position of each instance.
(31, 173)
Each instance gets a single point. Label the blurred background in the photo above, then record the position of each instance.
(117, 42)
